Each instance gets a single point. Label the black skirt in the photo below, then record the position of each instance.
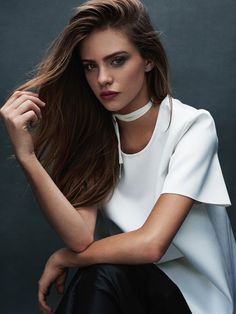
(122, 289)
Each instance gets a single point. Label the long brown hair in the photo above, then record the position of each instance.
(75, 140)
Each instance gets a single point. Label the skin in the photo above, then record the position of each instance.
(144, 245)
(124, 72)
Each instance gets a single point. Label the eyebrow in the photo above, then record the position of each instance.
(106, 57)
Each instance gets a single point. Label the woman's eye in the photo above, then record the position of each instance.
(88, 67)
(118, 60)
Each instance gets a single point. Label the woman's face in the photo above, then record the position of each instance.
(113, 64)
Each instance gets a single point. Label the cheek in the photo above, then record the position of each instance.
(91, 81)
(134, 76)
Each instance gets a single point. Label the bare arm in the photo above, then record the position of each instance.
(144, 245)
(68, 222)
(75, 227)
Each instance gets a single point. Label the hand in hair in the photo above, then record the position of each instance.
(20, 113)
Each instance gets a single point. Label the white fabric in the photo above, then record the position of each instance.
(183, 159)
(134, 114)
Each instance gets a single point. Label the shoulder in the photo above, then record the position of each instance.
(186, 117)
(185, 113)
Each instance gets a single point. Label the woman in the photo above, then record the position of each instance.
(113, 140)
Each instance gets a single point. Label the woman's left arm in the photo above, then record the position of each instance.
(144, 245)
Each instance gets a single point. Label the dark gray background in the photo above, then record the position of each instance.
(200, 40)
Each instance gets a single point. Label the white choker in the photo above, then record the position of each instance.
(135, 114)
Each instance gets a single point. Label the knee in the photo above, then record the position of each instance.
(177, 300)
(174, 293)
(104, 271)
(104, 268)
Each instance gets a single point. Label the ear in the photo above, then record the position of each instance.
(149, 64)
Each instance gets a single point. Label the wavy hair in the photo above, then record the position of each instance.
(75, 140)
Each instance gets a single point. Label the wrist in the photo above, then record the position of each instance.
(25, 160)
(66, 258)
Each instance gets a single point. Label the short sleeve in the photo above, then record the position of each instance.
(194, 169)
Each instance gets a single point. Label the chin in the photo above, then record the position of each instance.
(111, 106)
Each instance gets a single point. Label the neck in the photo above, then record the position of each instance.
(136, 128)
(134, 115)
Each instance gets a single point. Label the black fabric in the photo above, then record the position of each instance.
(122, 289)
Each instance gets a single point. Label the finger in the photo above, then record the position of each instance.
(24, 91)
(17, 101)
(60, 283)
(45, 308)
(17, 94)
(26, 106)
(60, 289)
(42, 301)
(15, 104)
(26, 121)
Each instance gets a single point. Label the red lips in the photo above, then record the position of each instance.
(108, 95)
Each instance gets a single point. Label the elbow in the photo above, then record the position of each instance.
(151, 249)
(80, 246)
(153, 253)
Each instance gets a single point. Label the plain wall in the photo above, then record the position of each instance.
(199, 37)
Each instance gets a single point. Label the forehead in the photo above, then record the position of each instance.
(104, 42)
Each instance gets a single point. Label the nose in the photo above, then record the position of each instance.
(104, 76)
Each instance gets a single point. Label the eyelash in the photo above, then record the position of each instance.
(86, 67)
(121, 60)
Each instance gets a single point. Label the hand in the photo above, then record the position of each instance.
(22, 111)
(53, 273)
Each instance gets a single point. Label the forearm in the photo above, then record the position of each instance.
(63, 217)
(125, 248)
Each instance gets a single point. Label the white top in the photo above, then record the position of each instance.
(183, 159)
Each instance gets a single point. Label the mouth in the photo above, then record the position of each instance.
(109, 94)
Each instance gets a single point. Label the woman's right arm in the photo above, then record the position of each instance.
(74, 226)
